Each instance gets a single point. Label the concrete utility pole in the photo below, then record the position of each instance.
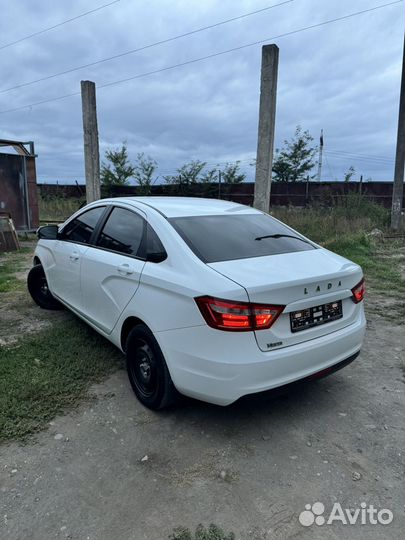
(90, 133)
(398, 187)
(267, 117)
(319, 175)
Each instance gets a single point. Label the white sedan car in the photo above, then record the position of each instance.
(208, 298)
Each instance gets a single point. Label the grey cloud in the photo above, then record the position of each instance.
(342, 77)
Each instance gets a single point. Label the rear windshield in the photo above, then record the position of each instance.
(229, 237)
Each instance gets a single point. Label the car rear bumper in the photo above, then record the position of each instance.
(220, 367)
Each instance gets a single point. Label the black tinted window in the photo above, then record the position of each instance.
(230, 237)
(81, 228)
(122, 232)
(154, 245)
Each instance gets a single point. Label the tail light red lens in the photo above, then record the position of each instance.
(359, 291)
(237, 316)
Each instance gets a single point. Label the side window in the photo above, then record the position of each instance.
(154, 245)
(81, 228)
(123, 232)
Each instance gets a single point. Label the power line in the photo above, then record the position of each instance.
(329, 167)
(44, 30)
(360, 158)
(358, 154)
(214, 164)
(149, 46)
(366, 156)
(209, 56)
(353, 157)
(363, 158)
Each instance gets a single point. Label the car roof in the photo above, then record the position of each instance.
(187, 206)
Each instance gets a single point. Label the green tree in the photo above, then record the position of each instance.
(195, 172)
(117, 170)
(209, 177)
(231, 174)
(144, 172)
(350, 173)
(296, 159)
(189, 173)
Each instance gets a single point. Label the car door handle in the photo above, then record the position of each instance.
(74, 256)
(125, 269)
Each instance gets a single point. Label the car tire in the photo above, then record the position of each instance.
(39, 290)
(147, 370)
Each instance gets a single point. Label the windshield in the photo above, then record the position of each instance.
(229, 237)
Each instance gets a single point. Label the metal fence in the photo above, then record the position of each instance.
(282, 194)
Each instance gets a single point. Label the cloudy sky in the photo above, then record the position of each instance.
(343, 77)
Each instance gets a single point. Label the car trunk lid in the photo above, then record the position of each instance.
(299, 281)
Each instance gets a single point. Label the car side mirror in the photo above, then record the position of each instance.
(156, 256)
(48, 232)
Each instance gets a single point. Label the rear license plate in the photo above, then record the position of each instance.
(315, 316)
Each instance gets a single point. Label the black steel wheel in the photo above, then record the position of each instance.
(39, 290)
(147, 370)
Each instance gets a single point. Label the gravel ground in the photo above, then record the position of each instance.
(112, 470)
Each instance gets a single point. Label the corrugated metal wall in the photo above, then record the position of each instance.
(282, 194)
(18, 190)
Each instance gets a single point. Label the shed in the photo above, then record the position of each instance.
(18, 184)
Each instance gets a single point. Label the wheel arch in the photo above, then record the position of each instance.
(36, 260)
(127, 326)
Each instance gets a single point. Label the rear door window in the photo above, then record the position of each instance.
(123, 232)
(229, 237)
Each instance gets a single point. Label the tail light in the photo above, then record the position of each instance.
(237, 316)
(359, 291)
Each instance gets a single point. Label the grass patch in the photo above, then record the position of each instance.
(213, 532)
(58, 208)
(10, 263)
(343, 229)
(48, 372)
(350, 216)
(27, 237)
(381, 271)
